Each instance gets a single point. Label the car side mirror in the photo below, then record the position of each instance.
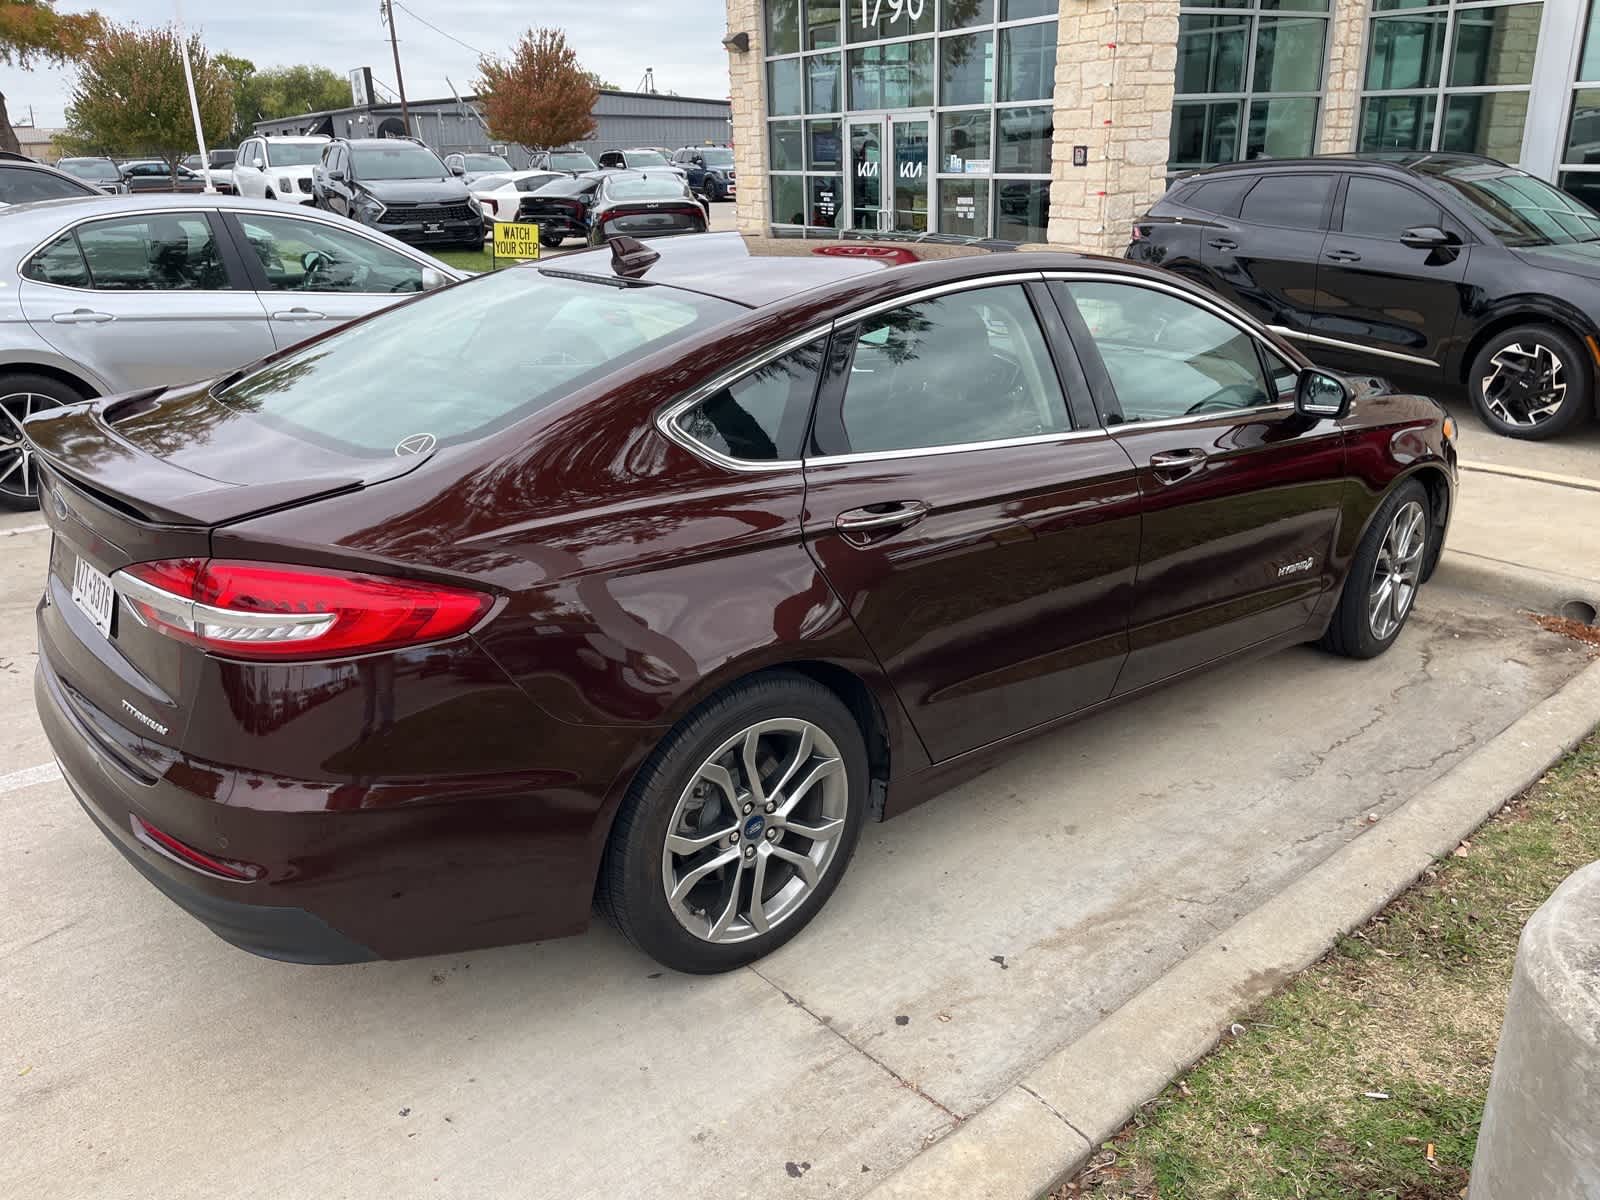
(457, 170)
(1320, 395)
(432, 278)
(336, 176)
(1427, 237)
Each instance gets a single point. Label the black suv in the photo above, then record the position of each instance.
(398, 187)
(1441, 269)
(710, 170)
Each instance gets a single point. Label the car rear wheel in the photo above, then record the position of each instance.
(739, 826)
(1388, 569)
(1531, 382)
(551, 241)
(21, 396)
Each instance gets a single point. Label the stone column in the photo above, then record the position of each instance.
(1540, 1135)
(1114, 90)
(1347, 48)
(748, 89)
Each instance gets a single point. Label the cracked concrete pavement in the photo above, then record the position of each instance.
(971, 937)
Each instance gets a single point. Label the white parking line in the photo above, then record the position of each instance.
(40, 528)
(1571, 481)
(28, 776)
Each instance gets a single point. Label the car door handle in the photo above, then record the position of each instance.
(297, 314)
(892, 515)
(1223, 244)
(82, 316)
(1171, 465)
(1342, 256)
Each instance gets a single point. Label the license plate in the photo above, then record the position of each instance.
(93, 594)
(433, 227)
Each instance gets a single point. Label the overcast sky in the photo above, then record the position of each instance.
(617, 39)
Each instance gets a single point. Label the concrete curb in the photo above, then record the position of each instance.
(1044, 1127)
(1520, 586)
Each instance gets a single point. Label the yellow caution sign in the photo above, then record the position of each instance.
(514, 240)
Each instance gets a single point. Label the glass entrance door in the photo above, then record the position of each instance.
(890, 173)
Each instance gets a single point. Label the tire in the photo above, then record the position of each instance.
(269, 195)
(23, 393)
(1514, 377)
(1357, 631)
(678, 789)
(550, 242)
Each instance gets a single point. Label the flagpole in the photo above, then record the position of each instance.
(194, 102)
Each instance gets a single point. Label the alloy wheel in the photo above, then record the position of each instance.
(18, 479)
(1398, 571)
(1526, 386)
(755, 830)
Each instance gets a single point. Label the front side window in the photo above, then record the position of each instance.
(175, 253)
(761, 417)
(1289, 201)
(19, 185)
(1249, 80)
(1167, 357)
(459, 363)
(1517, 208)
(308, 256)
(965, 368)
(1376, 208)
(1442, 75)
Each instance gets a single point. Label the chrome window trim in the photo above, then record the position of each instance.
(1214, 307)
(934, 291)
(1353, 347)
(1035, 439)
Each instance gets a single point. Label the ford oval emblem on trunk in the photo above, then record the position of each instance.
(417, 443)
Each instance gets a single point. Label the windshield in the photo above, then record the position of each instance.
(396, 162)
(295, 154)
(646, 158)
(717, 158)
(646, 189)
(223, 158)
(1519, 209)
(571, 160)
(89, 168)
(486, 162)
(459, 364)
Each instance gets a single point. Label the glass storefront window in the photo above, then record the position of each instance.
(963, 138)
(784, 150)
(1419, 64)
(905, 19)
(822, 84)
(1211, 53)
(827, 196)
(898, 75)
(966, 69)
(822, 24)
(1289, 55)
(1021, 209)
(1021, 10)
(1028, 61)
(783, 26)
(1281, 128)
(1583, 133)
(964, 207)
(824, 150)
(1589, 64)
(1204, 133)
(1024, 140)
(1583, 126)
(789, 199)
(963, 14)
(783, 87)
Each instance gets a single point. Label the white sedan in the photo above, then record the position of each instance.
(501, 195)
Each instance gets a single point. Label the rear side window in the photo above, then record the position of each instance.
(459, 364)
(761, 417)
(1376, 208)
(1219, 196)
(60, 262)
(1289, 201)
(175, 253)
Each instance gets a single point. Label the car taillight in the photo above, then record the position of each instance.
(1140, 233)
(276, 612)
(210, 864)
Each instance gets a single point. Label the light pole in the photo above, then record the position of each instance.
(194, 102)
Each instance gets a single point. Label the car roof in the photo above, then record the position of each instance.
(293, 137)
(759, 270)
(1408, 161)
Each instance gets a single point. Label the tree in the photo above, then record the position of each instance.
(130, 96)
(280, 92)
(31, 31)
(540, 96)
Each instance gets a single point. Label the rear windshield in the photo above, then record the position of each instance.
(295, 154)
(572, 160)
(646, 189)
(396, 162)
(459, 364)
(532, 183)
(486, 162)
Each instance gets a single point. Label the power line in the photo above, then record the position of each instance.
(424, 21)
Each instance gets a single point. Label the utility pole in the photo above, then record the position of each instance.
(399, 79)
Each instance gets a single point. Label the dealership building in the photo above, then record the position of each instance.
(1062, 120)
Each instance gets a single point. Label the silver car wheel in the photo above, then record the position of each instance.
(1398, 571)
(17, 475)
(1526, 386)
(755, 830)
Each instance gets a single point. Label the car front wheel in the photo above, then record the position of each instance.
(739, 826)
(1531, 382)
(1384, 577)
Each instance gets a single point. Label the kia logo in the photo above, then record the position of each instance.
(417, 443)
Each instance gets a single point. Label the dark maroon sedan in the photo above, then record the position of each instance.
(649, 576)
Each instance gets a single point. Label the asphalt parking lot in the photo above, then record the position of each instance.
(142, 1056)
